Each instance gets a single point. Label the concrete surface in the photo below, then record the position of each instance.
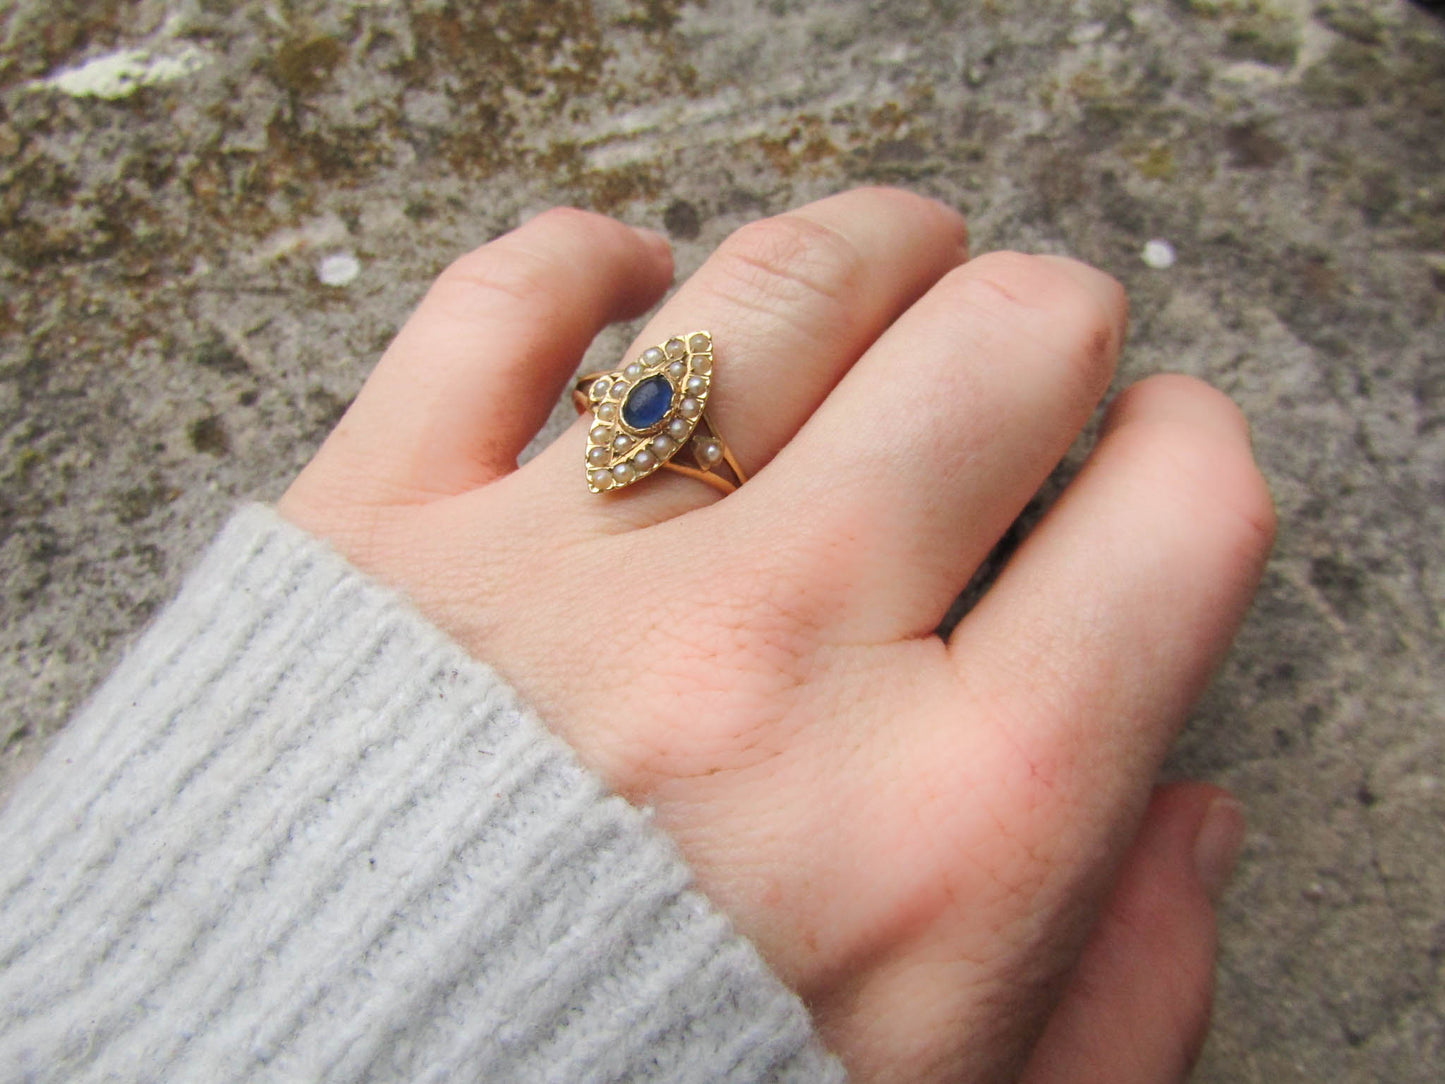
(214, 215)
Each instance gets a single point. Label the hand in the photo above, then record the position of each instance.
(948, 849)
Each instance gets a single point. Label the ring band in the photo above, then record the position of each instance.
(651, 412)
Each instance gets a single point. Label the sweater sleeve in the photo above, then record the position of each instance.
(300, 835)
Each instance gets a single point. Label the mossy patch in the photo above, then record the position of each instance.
(1155, 162)
(140, 502)
(303, 65)
(807, 142)
(1257, 30)
(1352, 20)
(1345, 77)
(208, 435)
(217, 355)
(1251, 147)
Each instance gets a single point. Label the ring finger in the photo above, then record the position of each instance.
(791, 301)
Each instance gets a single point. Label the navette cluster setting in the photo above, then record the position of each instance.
(647, 412)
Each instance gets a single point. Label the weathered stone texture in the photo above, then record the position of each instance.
(166, 345)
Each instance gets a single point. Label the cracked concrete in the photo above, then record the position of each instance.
(174, 175)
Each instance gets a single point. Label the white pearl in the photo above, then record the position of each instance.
(679, 429)
(619, 389)
(599, 457)
(622, 472)
(607, 412)
(599, 388)
(633, 371)
(600, 478)
(676, 369)
(707, 451)
(702, 363)
(675, 348)
(699, 343)
(689, 408)
(600, 433)
(663, 444)
(696, 385)
(644, 460)
(622, 443)
(651, 356)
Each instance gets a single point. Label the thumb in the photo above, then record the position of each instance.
(1136, 1009)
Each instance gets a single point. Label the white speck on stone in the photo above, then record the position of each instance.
(338, 269)
(1086, 33)
(122, 73)
(1159, 255)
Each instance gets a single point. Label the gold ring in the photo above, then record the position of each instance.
(651, 412)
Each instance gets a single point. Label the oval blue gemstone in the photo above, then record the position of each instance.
(648, 403)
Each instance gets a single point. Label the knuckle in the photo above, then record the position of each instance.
(565, 218)
(1077, 313)
(785, 265)
(493, 275)
(565, 221)
(523, 266)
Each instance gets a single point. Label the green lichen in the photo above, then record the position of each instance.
(25, 464)
(1156, 162)
(43, 37)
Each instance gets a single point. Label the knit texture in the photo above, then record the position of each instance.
(300, 835)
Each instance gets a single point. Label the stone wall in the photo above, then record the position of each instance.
(215, 215)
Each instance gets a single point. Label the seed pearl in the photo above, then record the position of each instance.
(607, 412)
(622, 443)
(689, 408)
(663, 444)
(600, 433)
(707, 451)
(702, 364)
(651, 356)
(696, 385)
(619, 390)
(675, 349)
(676, 369)
(600, 478)
(679, 429)
(644, 461)
(599, 389)
(598, 457)
(699, 343)
(622, 472)
(633, 371)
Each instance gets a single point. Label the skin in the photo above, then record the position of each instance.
(952, 850)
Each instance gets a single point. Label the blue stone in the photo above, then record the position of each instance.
(648, 403)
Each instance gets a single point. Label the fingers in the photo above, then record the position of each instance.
(1106, 624)
(921, 458)
(1136, 1009)
(791, 302)
(476, 370)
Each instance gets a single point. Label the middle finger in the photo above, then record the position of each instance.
(792, 302)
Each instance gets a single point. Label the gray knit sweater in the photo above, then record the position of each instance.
(299, 835)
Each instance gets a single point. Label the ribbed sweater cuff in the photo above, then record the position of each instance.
(300, 835)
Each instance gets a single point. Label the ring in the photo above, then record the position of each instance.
(650, 412)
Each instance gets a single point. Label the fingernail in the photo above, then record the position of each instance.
(1216, 847)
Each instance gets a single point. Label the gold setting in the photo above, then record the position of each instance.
(618, 454)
